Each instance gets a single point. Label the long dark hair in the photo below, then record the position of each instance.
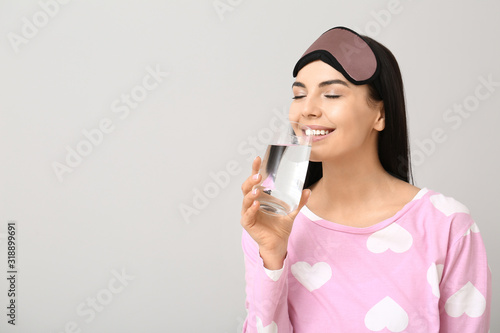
(393, 143)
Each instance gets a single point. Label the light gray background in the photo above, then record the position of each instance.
(229, 77)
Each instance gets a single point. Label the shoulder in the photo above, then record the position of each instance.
(439, 209)
(447, 205)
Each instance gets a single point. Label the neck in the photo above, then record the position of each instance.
(351, 180)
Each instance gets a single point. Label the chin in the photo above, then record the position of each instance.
(320, 154)
(314, 158)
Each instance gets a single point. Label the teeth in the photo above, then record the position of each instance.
(317, 132)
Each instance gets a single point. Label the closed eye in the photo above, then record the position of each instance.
(298, 97)
(332, 96)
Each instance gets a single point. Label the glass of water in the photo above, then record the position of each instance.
(284, 168)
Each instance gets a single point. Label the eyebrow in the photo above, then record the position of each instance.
(322, 84)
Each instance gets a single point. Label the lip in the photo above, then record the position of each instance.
(318, 127)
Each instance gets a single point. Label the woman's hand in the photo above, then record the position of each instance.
(270, 232)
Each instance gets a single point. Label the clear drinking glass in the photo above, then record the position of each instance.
(284, 168)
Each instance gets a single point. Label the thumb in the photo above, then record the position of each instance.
(306, 194)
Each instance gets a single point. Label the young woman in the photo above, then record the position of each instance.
(369, 252)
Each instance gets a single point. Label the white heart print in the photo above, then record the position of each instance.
(447, 205)
(474, 228)
(394, 238)
(434, 274)
(312, 277)
(467, 300)
(386, 313)
(271, 328)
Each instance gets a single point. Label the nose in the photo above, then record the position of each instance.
(311, 108)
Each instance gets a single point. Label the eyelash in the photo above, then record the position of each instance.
(327, 96)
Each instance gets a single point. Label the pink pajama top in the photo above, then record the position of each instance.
(422, 270)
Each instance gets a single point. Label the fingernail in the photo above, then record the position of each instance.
(254, 191)
(256, 176)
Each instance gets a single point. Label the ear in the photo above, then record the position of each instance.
(379, 124)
